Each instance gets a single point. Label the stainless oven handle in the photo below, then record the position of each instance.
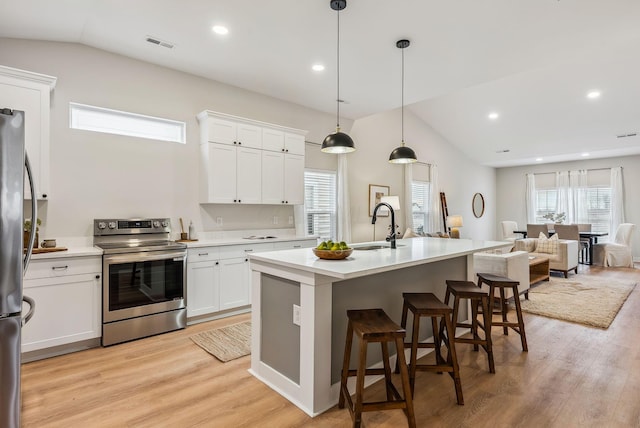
(144, 256)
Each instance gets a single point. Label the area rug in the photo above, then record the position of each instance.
(582, 299)
(226, 343)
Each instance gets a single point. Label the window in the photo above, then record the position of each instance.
(546, 203)
(420, 191)
(98, 119)
(320, 203)
(599, 208)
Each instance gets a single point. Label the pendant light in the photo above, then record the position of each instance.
(338, 142)
(402, 154)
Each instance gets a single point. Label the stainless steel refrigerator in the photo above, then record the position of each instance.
(13, 263)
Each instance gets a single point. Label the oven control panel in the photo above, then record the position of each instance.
(135, 226)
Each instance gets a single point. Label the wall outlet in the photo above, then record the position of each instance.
(296, 314)
(275, 219)
(290, 219)
(219, 221)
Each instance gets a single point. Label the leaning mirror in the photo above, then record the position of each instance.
(478, 205)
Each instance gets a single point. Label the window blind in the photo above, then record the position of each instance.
(320, 203)
(420, 191)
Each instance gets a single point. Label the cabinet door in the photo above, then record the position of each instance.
(272, 177)
(249, 175)
(234, 283)
(68, 309)
(294, 144)
(249, 136)
(203, 279)
(294, 179)
(222, 174)
(222, 131)
(272, 140)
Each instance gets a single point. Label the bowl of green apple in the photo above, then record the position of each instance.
(330, 250)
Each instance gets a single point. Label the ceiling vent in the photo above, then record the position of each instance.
(157, 41)
(631, 134)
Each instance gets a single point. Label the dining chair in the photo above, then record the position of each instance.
(533, 230)
(616, 253)
(572, 232)
(508, 229)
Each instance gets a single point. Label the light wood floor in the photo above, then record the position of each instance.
(572, 376)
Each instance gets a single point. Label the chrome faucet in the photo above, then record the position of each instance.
(392, 236)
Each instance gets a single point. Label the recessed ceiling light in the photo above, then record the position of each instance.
(584, 155)
(317, 67)
(593, 95)
(538, 159)
(493, 115)
(220, 29)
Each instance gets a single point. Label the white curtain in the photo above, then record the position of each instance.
(577, 212)
(562, 187)
(408, 197)
(344, 210)
(617, 201)
(530, 195)
(435, 211)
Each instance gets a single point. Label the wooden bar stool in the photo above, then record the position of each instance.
(501, 282)
(428, 305)
(373, 325)
(478, 298)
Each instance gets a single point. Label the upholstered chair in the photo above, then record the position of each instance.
(616, 253)
(508, 229)
(533, 230)
(562, 253)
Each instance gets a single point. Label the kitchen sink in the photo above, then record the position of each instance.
(373, 247)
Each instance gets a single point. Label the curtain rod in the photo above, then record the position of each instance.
(586, 169)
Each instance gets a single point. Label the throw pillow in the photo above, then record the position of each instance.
(547, 245)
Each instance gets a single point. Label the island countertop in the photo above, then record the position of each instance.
(409, 252)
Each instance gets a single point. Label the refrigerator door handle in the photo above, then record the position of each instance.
(34, 215)
(32, 309)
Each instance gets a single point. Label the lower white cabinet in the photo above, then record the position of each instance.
(68, 295)
(219, 278)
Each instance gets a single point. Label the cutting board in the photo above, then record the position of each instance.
(48, 250)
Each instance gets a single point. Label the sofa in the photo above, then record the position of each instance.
(563, 258)
(513, 265)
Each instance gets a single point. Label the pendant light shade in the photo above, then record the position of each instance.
(402, 154)
(338, 142)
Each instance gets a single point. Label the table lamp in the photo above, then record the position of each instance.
(394, 201)
(454, 222)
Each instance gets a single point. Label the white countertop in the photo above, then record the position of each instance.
(70, 252)
(410, 252)
(238, 241)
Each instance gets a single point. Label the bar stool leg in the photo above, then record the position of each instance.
(453, 359)
(437, 341)
(406, 387)
(362, 365)
(523, 336)
(414, 352)
(345, 366)
(504, 308)
(403, 324)
(487, 307)
(387, 370)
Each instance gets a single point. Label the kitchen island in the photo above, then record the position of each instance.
(299, 305)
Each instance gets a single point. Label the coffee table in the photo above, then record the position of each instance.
(538, 269)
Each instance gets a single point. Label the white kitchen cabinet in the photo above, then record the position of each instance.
(282, 178)
(203, 288)
(231, 174)
(285, 142)
(68, 296)
(30, 92)
(254, 175)
(234, 282)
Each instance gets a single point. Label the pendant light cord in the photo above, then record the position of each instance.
(338, 78)
(402, 114)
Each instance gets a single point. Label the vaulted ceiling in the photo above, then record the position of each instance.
(532, 62)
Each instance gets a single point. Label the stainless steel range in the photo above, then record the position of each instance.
(144, 278)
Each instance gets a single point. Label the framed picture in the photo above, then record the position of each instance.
(376, 193)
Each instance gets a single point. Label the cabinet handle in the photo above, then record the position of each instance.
(283, 149)
(235, 142)
(44, 196)
(60, 267)
(248, 251)
(217, 263)
(287, 150)
(97, 276)
(297, 246)
(235, 200)
(239, 143)
(203, 254)
(239, 200)
(286, 202)
(246, 260)
(283, 202)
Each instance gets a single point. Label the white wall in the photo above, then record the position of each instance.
(510, 187)
(97, 175)
(460, 178)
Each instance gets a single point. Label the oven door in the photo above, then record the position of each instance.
(144, 283)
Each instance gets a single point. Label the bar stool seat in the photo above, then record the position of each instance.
(373, 325)
(479, 298)
(500, 282)
(428, 305)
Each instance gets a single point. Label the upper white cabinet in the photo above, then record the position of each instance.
(249, 162)
(31, 92)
